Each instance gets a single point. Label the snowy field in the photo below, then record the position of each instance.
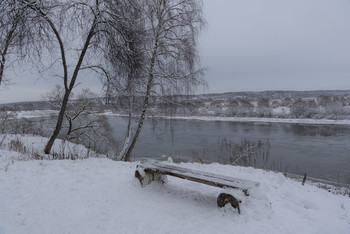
(266, 120)
(98, 195)
(252, 119)
(45, 113)
(36, 113)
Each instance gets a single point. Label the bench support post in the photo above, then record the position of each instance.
(225, 198)
(146, 177)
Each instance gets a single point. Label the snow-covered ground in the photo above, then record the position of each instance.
(252, 119)
(267, 120)
(98, 195)
(35, 113)
(45, 113)
(30, 145)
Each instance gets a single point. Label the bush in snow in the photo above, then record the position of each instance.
(245, 153)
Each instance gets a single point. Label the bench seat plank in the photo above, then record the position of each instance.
(200, 176)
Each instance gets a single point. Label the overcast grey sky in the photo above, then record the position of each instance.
(277, 45)
(254, 45)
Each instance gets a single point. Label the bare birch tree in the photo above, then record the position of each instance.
(126, 55)
(169, 51)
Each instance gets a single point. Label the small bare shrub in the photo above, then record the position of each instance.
(6, 117)
(245, 153)
(18, 146)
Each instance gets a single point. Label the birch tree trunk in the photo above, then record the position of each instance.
(127, 155)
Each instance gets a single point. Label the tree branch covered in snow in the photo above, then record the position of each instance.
(157, 54)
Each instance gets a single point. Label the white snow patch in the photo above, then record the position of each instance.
(264, 120)
(250, 119)
(36, 113)
(281, 110)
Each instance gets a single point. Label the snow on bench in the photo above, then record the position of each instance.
(146, 173)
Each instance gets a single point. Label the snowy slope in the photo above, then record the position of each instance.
(98, 195)
(30, 145)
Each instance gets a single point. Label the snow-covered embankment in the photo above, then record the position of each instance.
(98, 195)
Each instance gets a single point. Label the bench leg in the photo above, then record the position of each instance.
(147, 177)
(225, 198)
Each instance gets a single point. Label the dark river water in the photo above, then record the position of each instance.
(321, 151)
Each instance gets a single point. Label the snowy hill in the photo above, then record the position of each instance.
(98, 195)
(322, 104)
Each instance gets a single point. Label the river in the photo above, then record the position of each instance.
(321, 151)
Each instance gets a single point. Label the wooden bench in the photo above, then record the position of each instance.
(148, 172)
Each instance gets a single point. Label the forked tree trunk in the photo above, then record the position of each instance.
(68, 90)
(59, 122)
(68, 86)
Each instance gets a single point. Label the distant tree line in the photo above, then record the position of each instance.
(320, 107)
